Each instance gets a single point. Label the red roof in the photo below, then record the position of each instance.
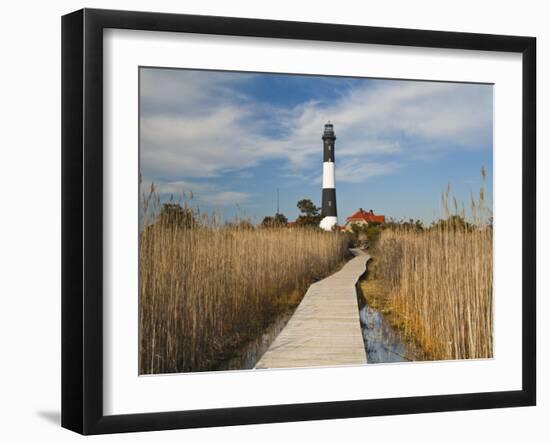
(369, 217)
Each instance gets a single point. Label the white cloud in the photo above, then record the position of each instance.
(226, 198)
(407, 118)
(197, 193)
(356, 172)
(185, 91)
(352, 171)
(195, 124)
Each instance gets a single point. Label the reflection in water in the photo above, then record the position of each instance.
(251, 353)
(382, 342)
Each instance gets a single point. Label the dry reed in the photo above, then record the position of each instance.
(440, 282)
(207, 288)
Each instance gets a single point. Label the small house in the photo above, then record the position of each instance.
(363, 218)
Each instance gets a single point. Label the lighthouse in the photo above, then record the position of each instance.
(328, 209)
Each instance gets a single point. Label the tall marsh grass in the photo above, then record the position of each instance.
(440, 281)
(205, 287)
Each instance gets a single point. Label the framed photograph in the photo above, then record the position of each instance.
(269, 221)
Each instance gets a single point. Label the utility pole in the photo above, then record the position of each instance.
(277, 200)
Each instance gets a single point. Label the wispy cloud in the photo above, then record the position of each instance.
(356, 172)
(226, 198)
(200, 124)
(186, 92)
(199, 193)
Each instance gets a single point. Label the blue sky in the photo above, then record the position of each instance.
(234, 138)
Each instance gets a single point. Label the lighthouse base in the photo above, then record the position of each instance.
(328, 223)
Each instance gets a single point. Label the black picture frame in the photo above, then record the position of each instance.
(82, 218)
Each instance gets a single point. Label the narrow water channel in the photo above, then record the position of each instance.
(383, 343)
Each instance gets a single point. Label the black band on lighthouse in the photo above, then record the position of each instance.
(328, 143)
(328, 151)
(329, 203)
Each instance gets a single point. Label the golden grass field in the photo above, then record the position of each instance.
(205, 290)
(439, 284)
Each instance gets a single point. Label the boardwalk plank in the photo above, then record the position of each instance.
(325, 329)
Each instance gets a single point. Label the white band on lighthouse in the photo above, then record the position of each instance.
(327, 223)
(328, 175)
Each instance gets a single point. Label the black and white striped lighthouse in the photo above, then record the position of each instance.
(328, 209)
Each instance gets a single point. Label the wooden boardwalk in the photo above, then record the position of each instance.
(325, 329)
